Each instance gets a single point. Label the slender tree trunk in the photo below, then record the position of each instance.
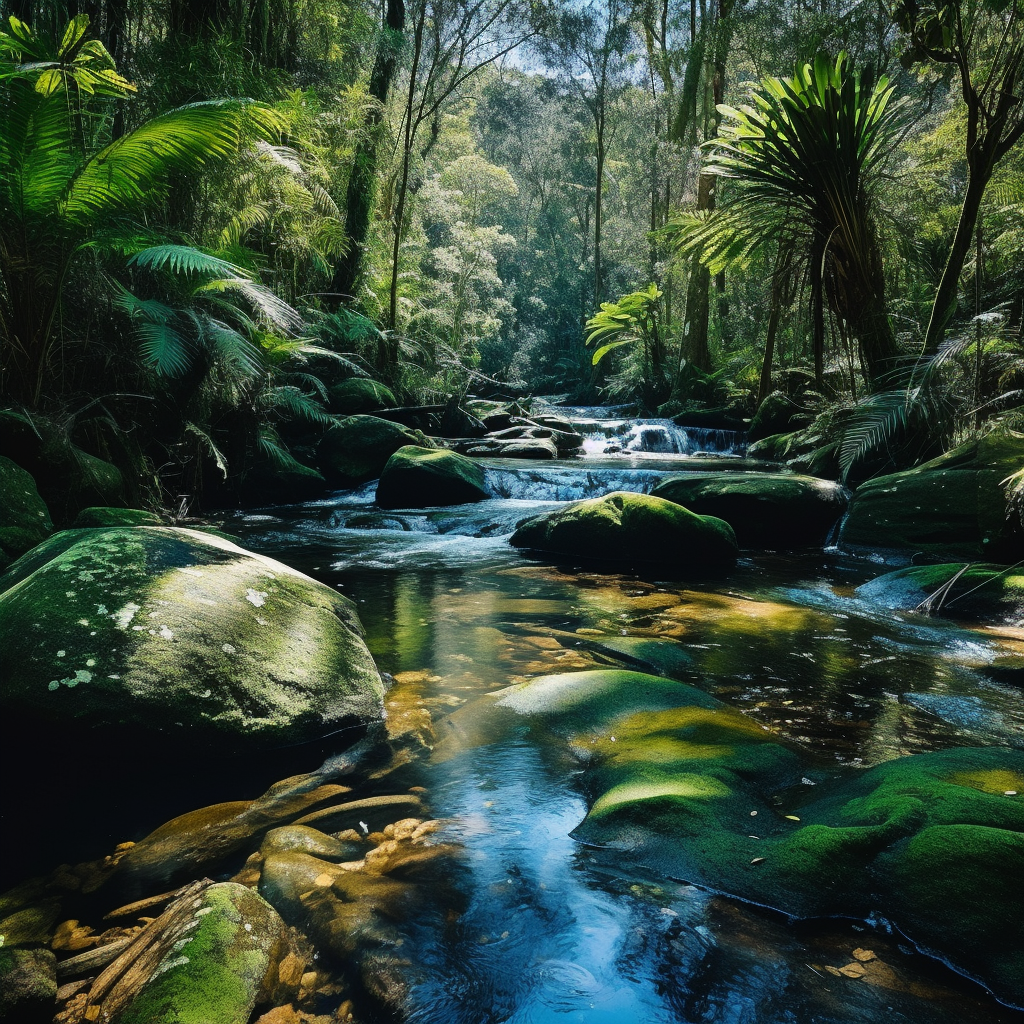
(944, 304)
(598, 210)
(818, 317)
(764, 386)
(696, 350)
(363, 178)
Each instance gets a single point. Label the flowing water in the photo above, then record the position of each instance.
(551, 931)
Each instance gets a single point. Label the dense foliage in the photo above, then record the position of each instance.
(211, 214)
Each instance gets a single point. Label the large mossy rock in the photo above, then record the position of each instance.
(775, 415)
(221, 967)
(957, 590)
(765, 509)
(24, 518)
(93, 517)
(358, 448)
(156, 629)
(953, 506)
(632, 529)
(933, 843)
(417, 477)
(359, 395)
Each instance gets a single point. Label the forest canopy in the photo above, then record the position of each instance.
(220, 218)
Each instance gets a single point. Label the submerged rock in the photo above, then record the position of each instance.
(223, 965)
(173, 631)
(765, 509)
(632, 529)
(358, 448)
(24, 518)
(958, 590)
(933, 843)
(416, 477)
(953, 506)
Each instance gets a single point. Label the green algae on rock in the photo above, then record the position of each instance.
(953, 506)
(222, 966)
(358, 448)
(28, 986)
(765, 509)
(957, 590)
(416, 477)
(158, 629)
(24, 518)
(632, 529)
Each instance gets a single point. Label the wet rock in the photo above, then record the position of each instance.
(415, 477)
(24, 518)
(529, 448)
(174, 631)
(221, 968)
(358, 448)
(632, 529)
(765, 509)
(28, 986)
(359, 395)
(268, 481)
(953, 506)
(91, 517)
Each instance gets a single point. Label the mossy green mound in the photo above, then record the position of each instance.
(953, 506)
(181, 632)
(220, 968)
(359, 395)
(24, 518)
(632, 529)
(765, 509)
(933, 842)
(775, 415)
(28, 986)
(358, 448)
(957, 590)
(417, 477)
(100, 516)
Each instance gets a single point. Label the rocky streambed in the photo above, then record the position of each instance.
(367, 760)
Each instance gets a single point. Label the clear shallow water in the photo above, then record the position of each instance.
(552, 931)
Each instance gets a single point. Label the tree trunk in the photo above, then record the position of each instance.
(944, 304)
(363, 178)
(764, 386)
(695, 349)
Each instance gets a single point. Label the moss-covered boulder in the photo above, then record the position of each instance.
(632, 529)
(182, 633)
(221, 967)
(93, 517)
(775, 415)
(358, 448)
(953, 506)
(958, 590)
(417, 477)
(359, 395)
(933, 843)
(24, 518)
(28, 986)
(767, 510)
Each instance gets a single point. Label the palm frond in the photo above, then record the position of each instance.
(210, 449)
(184, 259)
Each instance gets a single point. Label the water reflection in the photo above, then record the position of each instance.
(557, 932)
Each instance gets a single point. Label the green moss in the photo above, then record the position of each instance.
(219, 973)
(169, 629)
(953, 506)
(24, 519)
(416, 477)
(360, 395)
(358, 448)
(99, 516)
(632, 529)
(765, 509)
(983, 590)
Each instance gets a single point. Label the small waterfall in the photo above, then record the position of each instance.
(654, 436)
(543, 482)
